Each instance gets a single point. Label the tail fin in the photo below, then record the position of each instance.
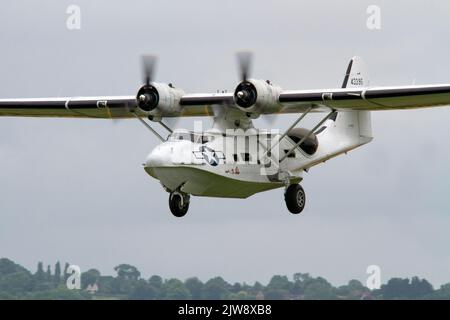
(360, 121)
(356, 74)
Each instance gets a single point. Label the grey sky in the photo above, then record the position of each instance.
(74, 190)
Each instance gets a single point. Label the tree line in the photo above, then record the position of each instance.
(16, 282)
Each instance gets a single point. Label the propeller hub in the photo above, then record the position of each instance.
(242, 94)
(147, 98)
(245, 95)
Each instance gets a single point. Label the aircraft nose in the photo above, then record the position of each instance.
(154, 159)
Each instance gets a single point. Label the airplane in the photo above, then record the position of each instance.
(233, 159)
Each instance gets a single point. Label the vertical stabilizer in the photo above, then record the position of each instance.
(356, 77)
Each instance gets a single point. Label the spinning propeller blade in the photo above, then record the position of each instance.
(244, 59)
(148, 68)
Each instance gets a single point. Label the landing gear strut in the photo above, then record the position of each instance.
(295, 198)
(179, 203)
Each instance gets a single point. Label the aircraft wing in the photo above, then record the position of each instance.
(382, 98)
(107, 107)
(118, 107)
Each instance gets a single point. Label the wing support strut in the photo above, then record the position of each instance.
(165, 126)
(302, 116)
(308, 135)
(149, 127)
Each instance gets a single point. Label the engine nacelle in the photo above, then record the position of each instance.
(255, 96)
(156, 99)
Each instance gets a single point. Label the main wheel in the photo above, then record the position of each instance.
(295, 198)
(178, 204)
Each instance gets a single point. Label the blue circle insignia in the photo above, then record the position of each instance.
(209, 155)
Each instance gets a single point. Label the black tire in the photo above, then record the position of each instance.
(295, 198)
(175, 206)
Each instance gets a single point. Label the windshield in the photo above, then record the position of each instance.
(190, 136)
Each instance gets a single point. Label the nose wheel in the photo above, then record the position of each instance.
(295, 198)
(179, 203)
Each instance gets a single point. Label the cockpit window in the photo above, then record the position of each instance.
(197, 138)
(202, 139)
(184, 136)
(189, 136)
(177, 136)
(206, 139)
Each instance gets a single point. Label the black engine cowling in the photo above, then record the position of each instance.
(156, 99)
(256, 96)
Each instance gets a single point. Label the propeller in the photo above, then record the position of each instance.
(147, 97)
(245, 94)
(148, 68)
(244, 59)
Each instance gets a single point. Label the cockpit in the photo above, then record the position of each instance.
(195, 137)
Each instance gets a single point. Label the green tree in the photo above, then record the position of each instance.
(157, 284)
(195, 287)
(279, 283)
(235, 288)
(156, 281)
(443, 293)
(143, 291)
(66, 274)
(122, 286)
(241, 295)
(40, 274)
(174, 289)
(301, 280)
(257, 287)
(89, 277)
(18, 283)
(15, 281)
(396, 288)
(60, 293)
(318, 289)
(8, 267)
(57, 272)
(127, 271)
(297, 289)
(216, 289)
(420, 288)
(278, 288)
(276, 294)
(48, 274)
(42, 279)
(354, 290)
(301, 277)
(105, 285)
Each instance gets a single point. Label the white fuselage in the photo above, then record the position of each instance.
(235, 163)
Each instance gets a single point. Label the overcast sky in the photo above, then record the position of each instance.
(74, 190)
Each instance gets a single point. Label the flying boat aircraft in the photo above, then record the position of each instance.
(233, 159)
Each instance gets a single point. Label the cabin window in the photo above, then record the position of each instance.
(186, 136)
(206, 139)
(246, 157)
(202, 139)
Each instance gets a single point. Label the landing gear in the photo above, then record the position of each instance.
(179, 203)
(295, 198)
